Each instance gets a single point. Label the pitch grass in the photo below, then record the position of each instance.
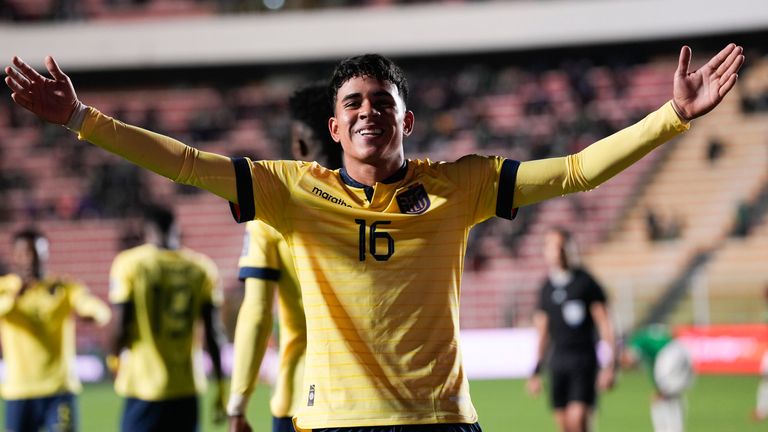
(715, 404)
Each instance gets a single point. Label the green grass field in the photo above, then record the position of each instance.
(715, 404)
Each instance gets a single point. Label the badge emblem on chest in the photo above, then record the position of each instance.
(413, 200)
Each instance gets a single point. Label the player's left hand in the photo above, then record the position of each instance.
(220, 402)
(53, 100)
(606, 378)
(697, 93)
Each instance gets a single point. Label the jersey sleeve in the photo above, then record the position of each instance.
(596, 291)
(121, 279)
(489, 183)
(264, 190)
(85, 304)
(161, 154)
(260, 257)
(7, 296)
(542, 179)
(254, 325)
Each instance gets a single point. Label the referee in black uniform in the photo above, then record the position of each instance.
(571, 314)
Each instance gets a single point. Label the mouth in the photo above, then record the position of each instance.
(370, 132)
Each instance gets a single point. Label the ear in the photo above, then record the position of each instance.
(333, 127)
(408, 123)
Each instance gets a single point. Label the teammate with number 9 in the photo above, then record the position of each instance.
(161, 292)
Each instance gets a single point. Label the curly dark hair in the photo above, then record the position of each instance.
(311, 106)
(368, 65)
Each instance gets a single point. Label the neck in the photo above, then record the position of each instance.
(368, 173)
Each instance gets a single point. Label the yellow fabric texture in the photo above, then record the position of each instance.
(168, 289)
(380, 285)
(266, 258)
(38, 335)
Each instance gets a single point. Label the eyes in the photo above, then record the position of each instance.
(378, 104)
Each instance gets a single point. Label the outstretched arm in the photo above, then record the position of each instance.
(54, 100)
(695, 94)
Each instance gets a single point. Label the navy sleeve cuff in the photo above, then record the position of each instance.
(506, 194)
(245, 209)
(258, 273)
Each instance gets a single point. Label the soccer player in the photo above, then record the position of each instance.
(161, 292)
(38, 337)
(655, 348)
(379, 245)
(266, 266)
(571, 312)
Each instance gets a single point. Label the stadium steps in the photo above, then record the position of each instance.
(703, 195)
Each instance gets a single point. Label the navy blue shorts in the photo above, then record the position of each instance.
(178, 415)
(282, 424)
(453, 427)
(50, 413)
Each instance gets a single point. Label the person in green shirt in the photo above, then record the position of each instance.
(670, 369)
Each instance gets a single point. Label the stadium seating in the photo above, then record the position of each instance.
(524, 111)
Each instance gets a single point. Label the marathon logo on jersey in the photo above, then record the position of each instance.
(414, 200)
(326, 196)
(311, 399)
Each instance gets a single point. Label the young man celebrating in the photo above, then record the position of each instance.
(379, 245)
(266, 266)
(38, 336)
(161, 292)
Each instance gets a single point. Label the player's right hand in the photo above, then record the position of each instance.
(53, 100)
(239, 423)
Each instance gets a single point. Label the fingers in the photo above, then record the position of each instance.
(684, 61)
(725, 88)
(22, 100)
(733, 68)
(733, 56)
(13, 85)
(720, 57)
(54, 69)
(26, 69)
(17, 77)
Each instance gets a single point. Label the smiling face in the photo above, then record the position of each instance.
(370, 121)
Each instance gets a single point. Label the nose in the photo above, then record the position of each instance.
(367, 109)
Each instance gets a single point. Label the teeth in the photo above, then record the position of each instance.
(370, 131)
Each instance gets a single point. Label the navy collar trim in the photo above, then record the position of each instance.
(396, 177)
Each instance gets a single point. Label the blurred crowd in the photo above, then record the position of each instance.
(67, 10)
(518, 107)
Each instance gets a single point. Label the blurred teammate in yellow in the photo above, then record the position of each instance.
(161, 291)
(38, 337)
(379, 245)
(266, 267)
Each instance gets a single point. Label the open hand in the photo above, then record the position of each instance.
(697, 93)
(52, 100)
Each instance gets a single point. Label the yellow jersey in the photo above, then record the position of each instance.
(38, 335)
(266, 264)
(379, 269)
(166, 291)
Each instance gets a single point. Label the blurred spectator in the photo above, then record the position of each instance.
(715, 149)
(742, 220)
